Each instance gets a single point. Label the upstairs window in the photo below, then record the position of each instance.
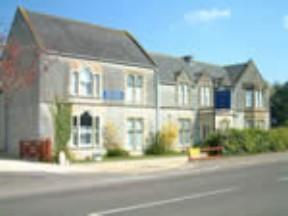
(183, 94)
(134, 92)
(86, 82)
(205, 96)
(259, 98)
(249, 98)
(254, 98)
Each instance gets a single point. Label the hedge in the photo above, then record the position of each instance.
(250, 141)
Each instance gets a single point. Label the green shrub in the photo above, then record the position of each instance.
(249, 141)
(163, 142)
(279, 139)
(158, 146)
(117, 152)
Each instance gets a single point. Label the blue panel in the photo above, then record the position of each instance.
(223, 99)
(113, 95)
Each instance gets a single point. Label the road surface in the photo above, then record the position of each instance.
(254, 190)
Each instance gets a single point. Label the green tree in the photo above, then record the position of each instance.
(279, 105)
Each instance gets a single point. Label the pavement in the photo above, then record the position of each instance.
(238, 186)
(137, 166)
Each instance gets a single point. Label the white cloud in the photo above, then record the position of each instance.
(285, 22)
(207, 15)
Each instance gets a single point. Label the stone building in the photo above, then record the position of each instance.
(110, 79)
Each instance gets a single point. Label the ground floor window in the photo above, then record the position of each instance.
(85, 130)
(135, 134)
(184, 132)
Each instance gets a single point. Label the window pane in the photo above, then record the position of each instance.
(86, 119)
(139, 81)
(130, 81)
(138, 141)
(249, 98)
(130, 140)
(138, 95)
(130, 125)
(129, 94)
(202, 96)
(138, 125)
(86, 82)
(86, 135)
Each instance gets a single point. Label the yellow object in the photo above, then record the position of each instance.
(194, 152)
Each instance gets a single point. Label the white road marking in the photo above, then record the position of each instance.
(163, 202)
(283, 179)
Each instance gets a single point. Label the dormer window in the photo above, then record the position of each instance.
(183, 94)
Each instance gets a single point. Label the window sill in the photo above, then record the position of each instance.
(85, 97)
(92, 147)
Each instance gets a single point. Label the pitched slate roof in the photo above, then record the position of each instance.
(235, 70)
(168, 66)
(87, 40)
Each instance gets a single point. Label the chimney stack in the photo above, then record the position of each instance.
(188, 59)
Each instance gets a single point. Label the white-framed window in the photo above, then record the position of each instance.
(183, 94)
(86, 82)
(184, 132)
(249, 98)
(85, 131)
(74, 83)
(134, 88)
(259, 98)
(135, 134)
(205, 96)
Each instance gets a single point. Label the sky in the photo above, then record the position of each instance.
(215, 31)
